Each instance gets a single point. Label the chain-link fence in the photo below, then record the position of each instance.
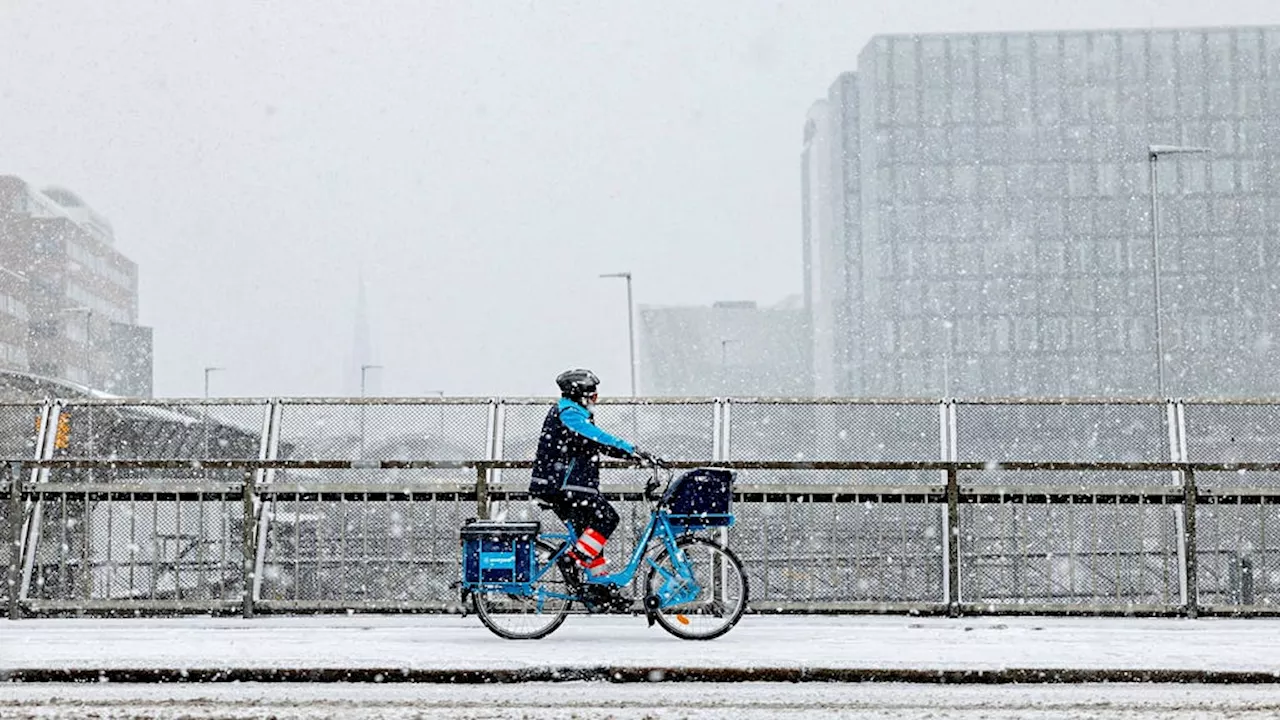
(1238, 538)
(20, 426)
(159, 548)
(1090, 552)
(843, 505)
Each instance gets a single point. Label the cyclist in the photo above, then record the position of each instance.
(566, 471)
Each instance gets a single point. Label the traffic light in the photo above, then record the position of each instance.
(62, 439)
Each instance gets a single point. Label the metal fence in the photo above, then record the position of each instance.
(984, 506)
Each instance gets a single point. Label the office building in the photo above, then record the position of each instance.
(977, 215)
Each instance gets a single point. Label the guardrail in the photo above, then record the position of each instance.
(956, 537)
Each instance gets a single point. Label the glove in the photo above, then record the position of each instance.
(651, 488)
(646, 458)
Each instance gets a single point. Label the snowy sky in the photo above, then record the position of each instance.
(483, 162)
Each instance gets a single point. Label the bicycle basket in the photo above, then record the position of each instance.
(498, 551)
(701, 498)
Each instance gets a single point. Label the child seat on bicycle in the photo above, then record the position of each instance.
(566, 470)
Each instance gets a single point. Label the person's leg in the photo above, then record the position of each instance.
(595, 519)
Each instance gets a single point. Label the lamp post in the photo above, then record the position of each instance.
(207, 371)
(724, 365)
(364, 370)
(206, 378)
(1154, 153)
(439, 414)
(88, 337)
(631, 333)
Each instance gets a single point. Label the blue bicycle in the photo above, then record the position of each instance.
(523, 584)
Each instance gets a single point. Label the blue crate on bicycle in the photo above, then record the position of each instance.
(498, 552)
(701, 498)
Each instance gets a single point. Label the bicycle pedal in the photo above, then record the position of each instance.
(651, 604)
(605, 598)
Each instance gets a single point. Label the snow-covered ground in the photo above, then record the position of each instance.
(600, 701)
(456, 643)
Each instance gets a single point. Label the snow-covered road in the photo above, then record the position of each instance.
(455, 643)
(600, 701)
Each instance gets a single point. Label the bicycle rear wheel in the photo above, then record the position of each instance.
(521, 617)
(721, 596)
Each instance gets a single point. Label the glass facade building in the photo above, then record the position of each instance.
(984, 203)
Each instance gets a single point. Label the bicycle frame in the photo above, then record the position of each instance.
(678, 587)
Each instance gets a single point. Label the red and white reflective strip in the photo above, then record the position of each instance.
(589, 545)
(594, 564)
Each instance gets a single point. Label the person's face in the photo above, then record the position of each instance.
(590, 399)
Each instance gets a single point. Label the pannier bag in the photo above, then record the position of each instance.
(701, 498)
(500, 552)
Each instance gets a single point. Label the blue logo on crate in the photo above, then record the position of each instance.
(498, 552)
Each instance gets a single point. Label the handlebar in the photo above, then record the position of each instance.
(652, 487)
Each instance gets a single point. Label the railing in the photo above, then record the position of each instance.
(982, 506)
(943, 561)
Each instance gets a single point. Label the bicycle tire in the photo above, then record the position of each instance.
(481, 602)
(670, 618)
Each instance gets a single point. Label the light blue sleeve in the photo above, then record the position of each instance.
(575, 418)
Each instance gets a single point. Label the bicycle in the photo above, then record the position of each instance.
(522, 583)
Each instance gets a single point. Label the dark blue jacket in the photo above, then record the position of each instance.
(568, 451)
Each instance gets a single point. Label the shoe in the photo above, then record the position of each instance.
(605, 598)
(593, 567)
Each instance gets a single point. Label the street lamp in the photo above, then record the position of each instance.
(364, 372)
(88, 337)
(439, 414)
(364, 369)
(206, 378)
(205, 408)
(724, 364)
(1154, 153)
(631, 333)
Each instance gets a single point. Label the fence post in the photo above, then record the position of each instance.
(1189, 496)
(953, 542)
(248, 561)
(482, 491)
(13, 572)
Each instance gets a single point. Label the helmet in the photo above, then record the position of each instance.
(577, 382)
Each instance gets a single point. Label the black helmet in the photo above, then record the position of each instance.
(577, 382)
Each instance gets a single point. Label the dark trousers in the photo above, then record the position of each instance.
(583, 510)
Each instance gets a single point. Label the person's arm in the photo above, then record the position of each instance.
(576, 419)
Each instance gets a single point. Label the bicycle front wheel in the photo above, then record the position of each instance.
(524, 617)
(710, 584)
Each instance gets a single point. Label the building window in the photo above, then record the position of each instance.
(991, 180)
(907, 183)
(1080, 180)
(1133, 59)
(1224, 179)
(904, 62)
(1026, 334)
(965, 180)
(1108, 179)
(1163, 75)
(1194, 176)
(1249, 174)
(1103, 61)
(909, 223)
(937, 183)
(934, 102)
(1075, 69)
